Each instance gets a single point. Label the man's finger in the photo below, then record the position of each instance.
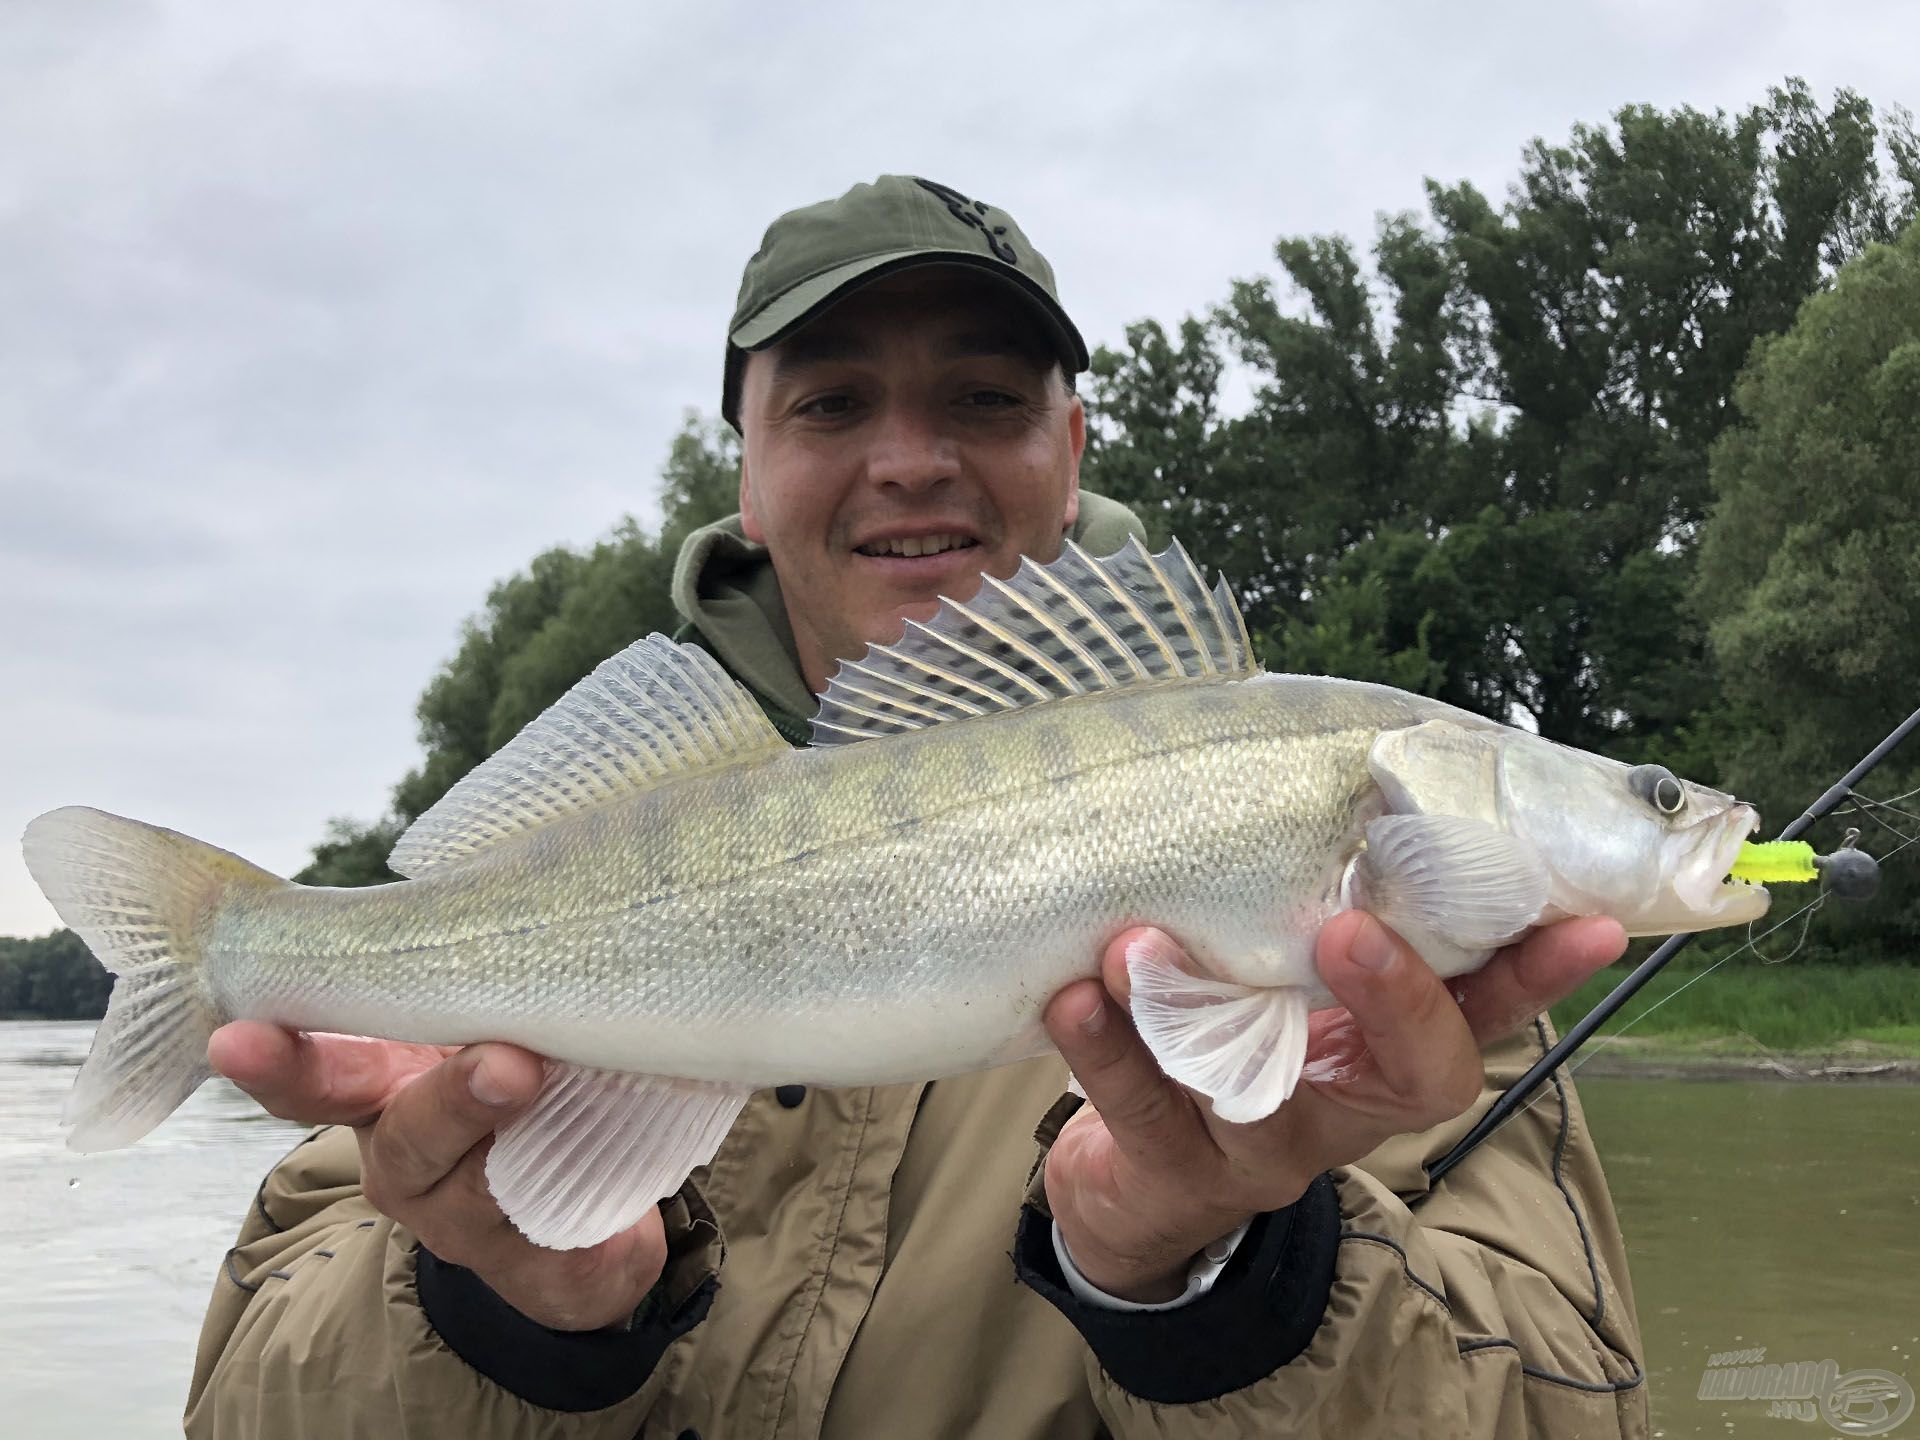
(316, 1079)
(1542, 970)
(431, 1124)
(458, 1217)
(1144, 1111)
(1413, 1030)
(580, 1289)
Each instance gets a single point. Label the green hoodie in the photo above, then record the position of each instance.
(725, 589)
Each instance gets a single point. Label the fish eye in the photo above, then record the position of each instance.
(1655, 785)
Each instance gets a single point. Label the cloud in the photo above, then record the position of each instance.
(319, 321)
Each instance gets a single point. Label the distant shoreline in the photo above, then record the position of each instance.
(1739, 1057)
(35, 1017)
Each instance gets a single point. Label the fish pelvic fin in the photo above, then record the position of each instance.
(1075, 627)
(598, 1149)
(1239, 1045)
(143, 899)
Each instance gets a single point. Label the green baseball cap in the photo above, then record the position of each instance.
(816, 255)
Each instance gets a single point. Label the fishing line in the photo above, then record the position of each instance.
(1866, 805)
(1805, 916)
(1889, 804)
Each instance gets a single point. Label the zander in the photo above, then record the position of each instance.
(648, 886)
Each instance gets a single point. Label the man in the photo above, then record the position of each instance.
(900, 370)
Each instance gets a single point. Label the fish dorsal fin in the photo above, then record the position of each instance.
(1074, 627)
(655, 710)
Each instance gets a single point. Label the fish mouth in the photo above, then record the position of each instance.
(1705, 882)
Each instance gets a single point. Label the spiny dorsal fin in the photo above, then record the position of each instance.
(1074, 627)
(655, 710)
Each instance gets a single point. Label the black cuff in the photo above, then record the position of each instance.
(1261, 1312)
(558, 1369)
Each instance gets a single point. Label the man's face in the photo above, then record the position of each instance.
(911, 437)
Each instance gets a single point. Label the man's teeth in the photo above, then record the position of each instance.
(918, 545)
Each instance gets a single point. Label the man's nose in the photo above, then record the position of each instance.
(912, 449)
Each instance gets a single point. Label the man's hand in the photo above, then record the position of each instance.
(425, 1115)
(1145, 1175)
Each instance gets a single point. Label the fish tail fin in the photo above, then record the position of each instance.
(143, 899)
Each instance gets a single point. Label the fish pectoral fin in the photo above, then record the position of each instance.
(1239, 1046)
(599, 1148)
(1465, 882)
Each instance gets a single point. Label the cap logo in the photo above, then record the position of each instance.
(972, 213)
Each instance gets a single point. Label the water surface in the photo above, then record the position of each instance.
(1757, 1214)
(109, 1259)
(1765, 1214)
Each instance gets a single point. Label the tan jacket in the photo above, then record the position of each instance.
(843, 1269)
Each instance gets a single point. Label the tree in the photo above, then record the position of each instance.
(52, 977)
(1809, 573)
(1482, 467)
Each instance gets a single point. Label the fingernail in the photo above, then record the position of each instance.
(1373, 949)
(488, 1087)
(1095, 1020)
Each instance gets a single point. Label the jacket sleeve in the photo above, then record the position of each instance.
(329, 1319)
(1494, 1304)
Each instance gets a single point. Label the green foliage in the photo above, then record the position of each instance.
(1809, 573)
(353, 853)
(1480, 469)
(1790, 1006)
(53, 977)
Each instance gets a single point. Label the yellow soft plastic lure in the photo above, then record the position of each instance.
(1775, 862)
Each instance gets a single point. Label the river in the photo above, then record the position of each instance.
(1759, 1215)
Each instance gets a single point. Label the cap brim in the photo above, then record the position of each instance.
(788, 311)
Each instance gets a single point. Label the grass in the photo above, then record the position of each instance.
(1749, 1007)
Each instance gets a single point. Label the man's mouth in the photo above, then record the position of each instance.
(913, 546)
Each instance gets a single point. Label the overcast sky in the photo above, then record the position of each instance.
(315, 321)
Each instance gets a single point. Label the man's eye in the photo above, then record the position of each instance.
(991, 398)
(827, 405)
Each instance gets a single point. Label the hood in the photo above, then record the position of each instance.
(724, 586)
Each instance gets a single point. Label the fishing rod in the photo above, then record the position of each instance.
(1846, 872)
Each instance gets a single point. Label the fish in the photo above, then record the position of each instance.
(652, 889)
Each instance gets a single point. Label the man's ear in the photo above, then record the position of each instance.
(749, 521)
(1077, 438)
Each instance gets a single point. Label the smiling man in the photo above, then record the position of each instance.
(917, 434)
(900, 369)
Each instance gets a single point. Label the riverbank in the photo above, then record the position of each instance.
(1738, 1057)
(1747, 1020)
